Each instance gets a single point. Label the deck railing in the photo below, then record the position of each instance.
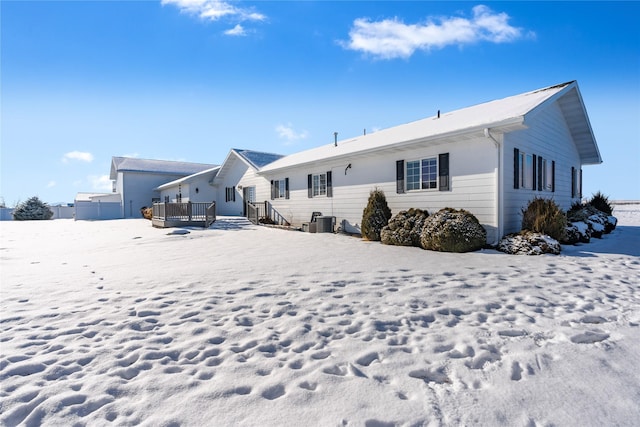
(188, 212)
(264, 213)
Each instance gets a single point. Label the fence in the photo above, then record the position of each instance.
(98, 210)
(59, 212)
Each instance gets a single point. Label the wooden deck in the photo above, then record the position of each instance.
(166, 215)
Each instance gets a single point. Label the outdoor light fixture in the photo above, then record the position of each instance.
(348, 167)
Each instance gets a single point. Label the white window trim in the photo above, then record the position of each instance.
(318, 190)
(420, 181)
(280, 189)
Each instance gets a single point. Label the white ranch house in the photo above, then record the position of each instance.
(490, 159)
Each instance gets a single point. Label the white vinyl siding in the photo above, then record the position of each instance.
(471, 184)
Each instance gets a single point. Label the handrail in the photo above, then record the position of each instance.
(274, 215)
(210, 215)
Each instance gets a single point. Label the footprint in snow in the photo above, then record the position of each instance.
(589, 337)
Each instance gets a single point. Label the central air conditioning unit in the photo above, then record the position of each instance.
(325, 224)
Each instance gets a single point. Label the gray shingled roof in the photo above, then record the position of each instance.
(258, 159)
(131, 164)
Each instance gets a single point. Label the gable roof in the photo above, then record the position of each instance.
(253, 159)
(188, 178)
(132, 164)
(507, 114)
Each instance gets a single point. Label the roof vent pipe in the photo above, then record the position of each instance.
(335, 139)
(438, 113)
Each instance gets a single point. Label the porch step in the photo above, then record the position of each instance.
(231, 223)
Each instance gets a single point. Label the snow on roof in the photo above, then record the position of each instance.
(258, 159)
(507, 113)
(184, 179)
(169, 167)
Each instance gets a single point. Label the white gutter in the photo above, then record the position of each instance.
(499, 196)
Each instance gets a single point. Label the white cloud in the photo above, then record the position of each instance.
(100, 183)
(214, 10)
(238, 30)
(51, 184)
(289, 134)
(78, 155)
(392, 38)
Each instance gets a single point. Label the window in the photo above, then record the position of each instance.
(230, 194)
(280, 189)
(526, 171)
(547, 175)
(533, 172)
(576, 182)
(319, 185)
(425, 174)
(422, 174)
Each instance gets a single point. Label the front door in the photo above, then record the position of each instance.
(248, 196)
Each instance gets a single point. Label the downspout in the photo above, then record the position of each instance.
(499, 197)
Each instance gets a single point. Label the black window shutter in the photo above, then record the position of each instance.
(310, 186)
(226, 194)
(573, 182)
(400, 176)
(443, 171)
(233, 189)
(534, 181)
(286, 188)
(273, 190)
(539, 173)
(553, 176)
(329, 185)
(516, 168)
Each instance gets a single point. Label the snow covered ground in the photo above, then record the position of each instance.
(118, 323)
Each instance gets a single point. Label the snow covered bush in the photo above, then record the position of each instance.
(451, 230)
(404, 229)
(33, 208)
(544, 216)
(528, 243)
(576, 232)
(375, 215)
(599, 222)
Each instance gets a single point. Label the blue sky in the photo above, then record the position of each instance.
(83, 81)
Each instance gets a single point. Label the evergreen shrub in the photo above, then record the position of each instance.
(601, 202)
(451, 230)
(32, 209)
(375, 215)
